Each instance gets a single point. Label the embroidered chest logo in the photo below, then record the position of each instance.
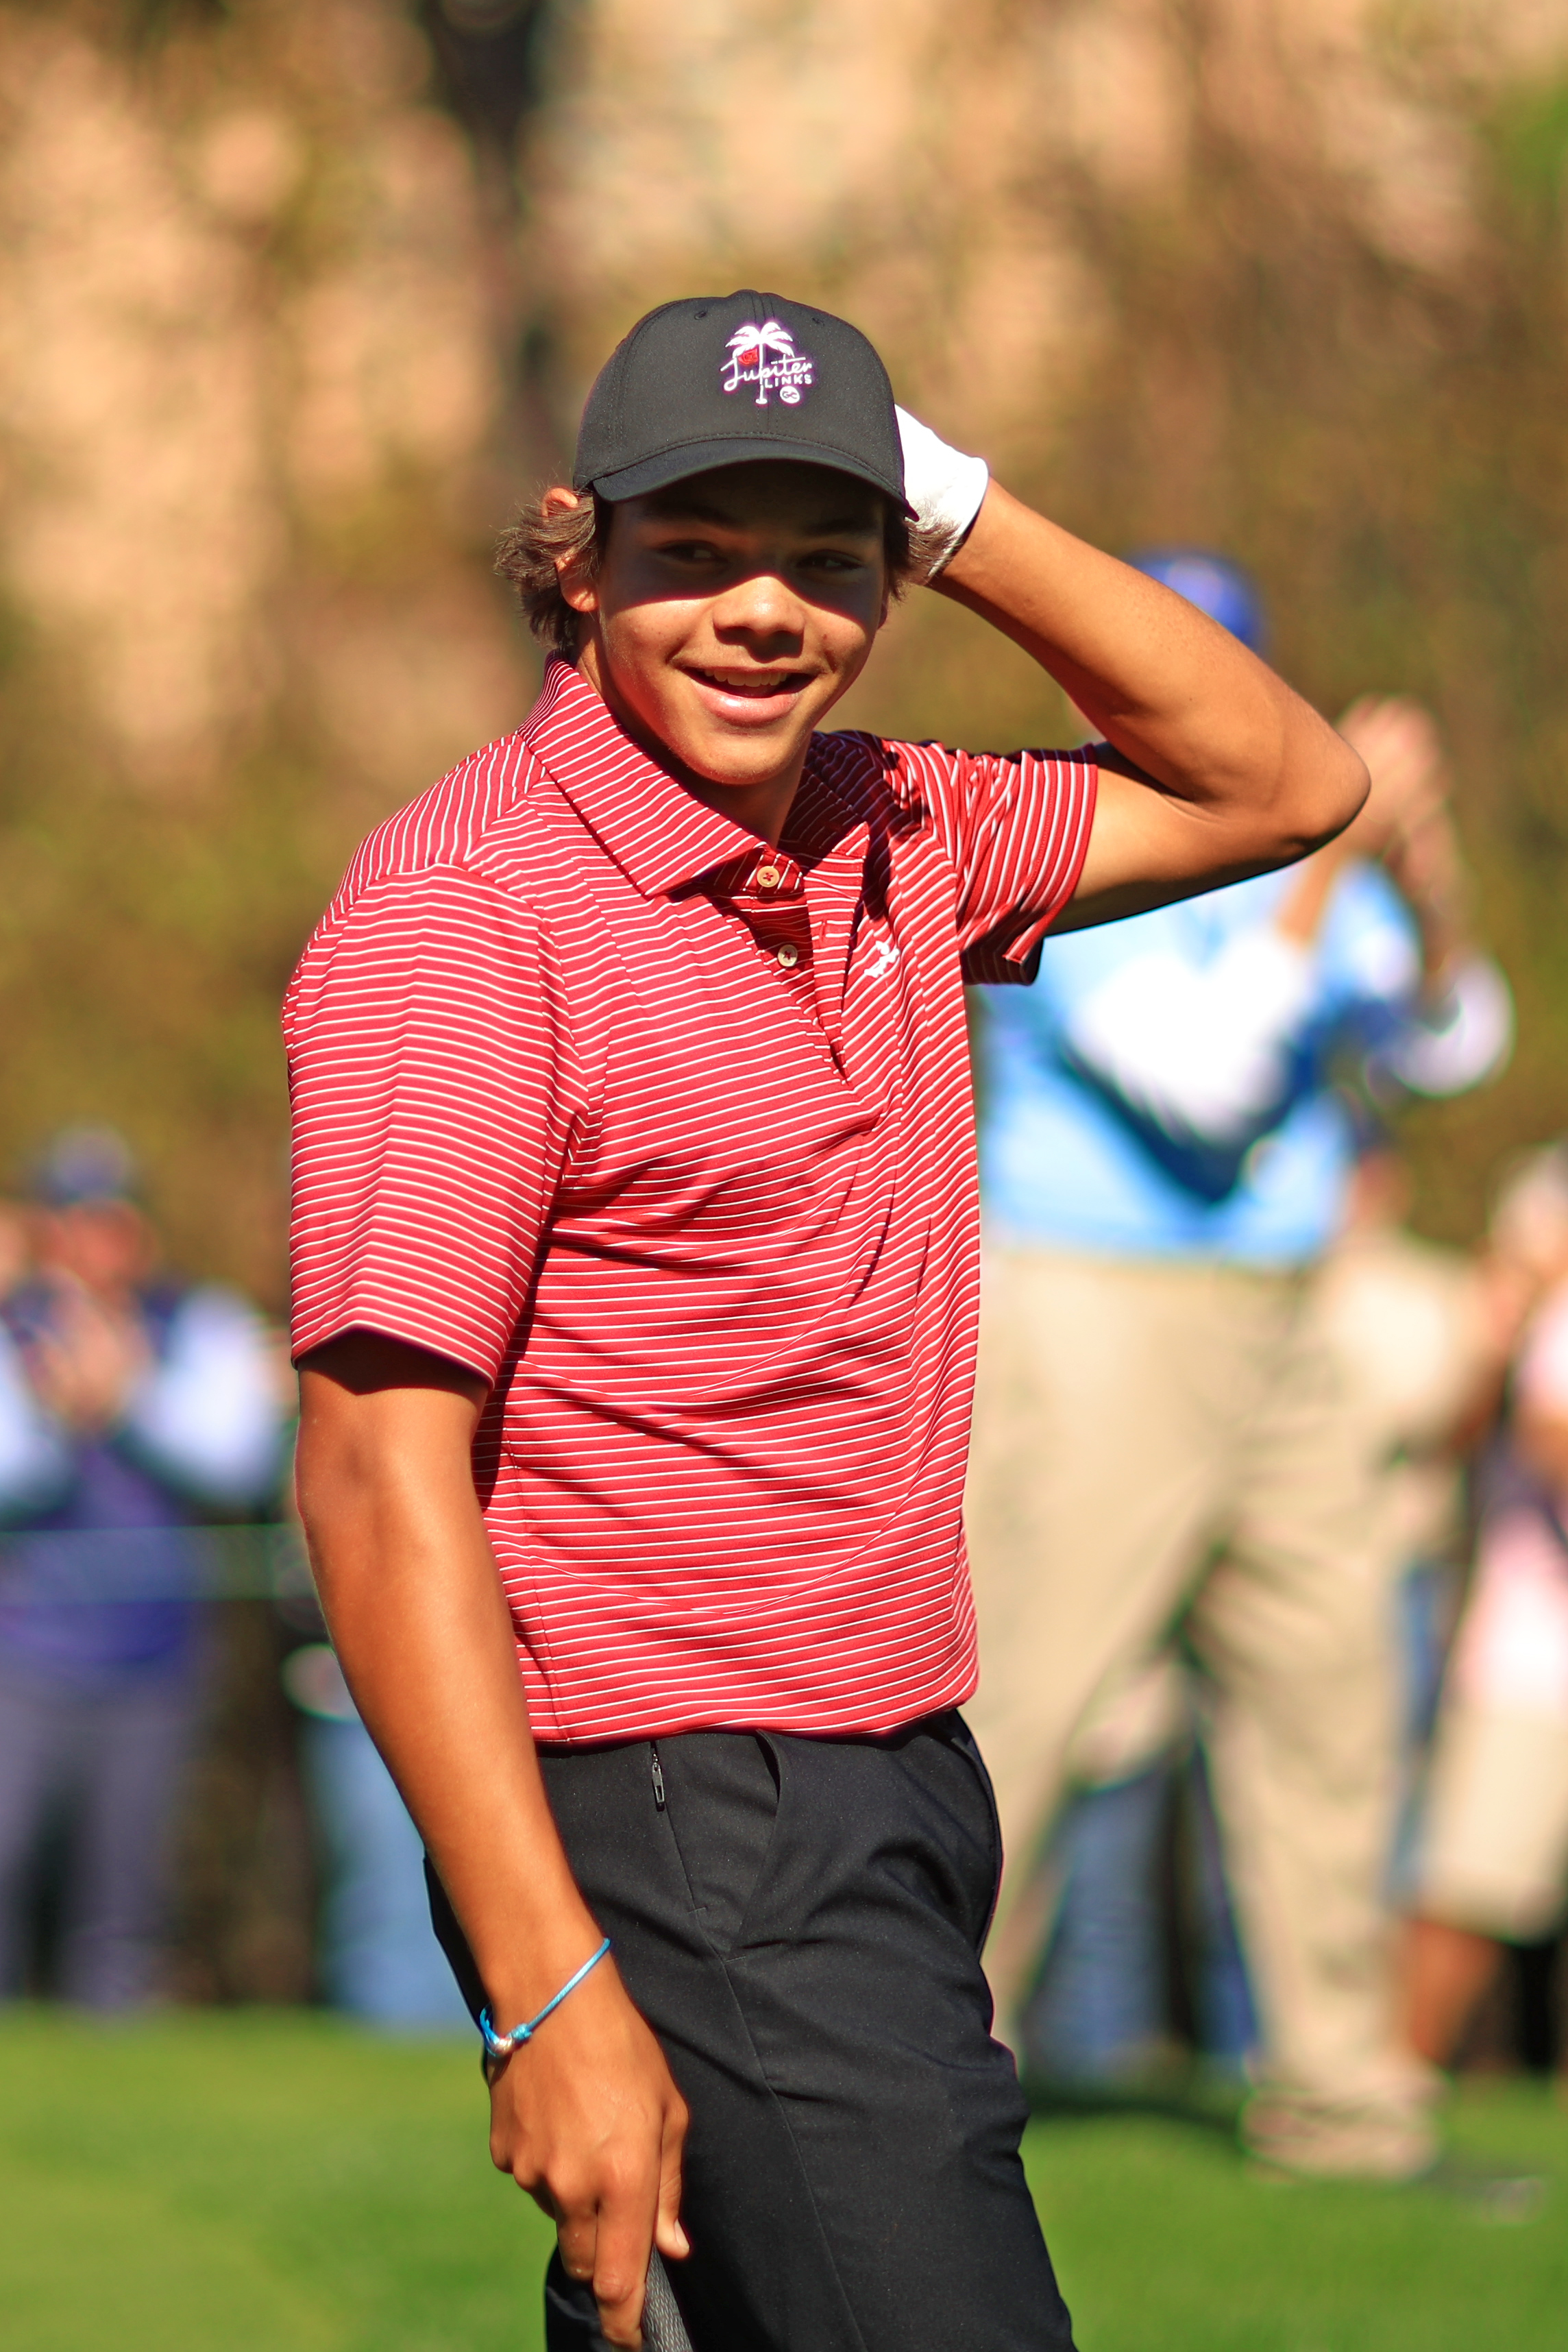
(886, 957)
(765, 356)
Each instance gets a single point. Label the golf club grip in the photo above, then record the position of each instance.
(664, 2329)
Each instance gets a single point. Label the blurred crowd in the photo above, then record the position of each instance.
(144, 1435)
(1271, 1576)
(1268, 1516)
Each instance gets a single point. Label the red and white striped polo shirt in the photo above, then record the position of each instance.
(668, 1137)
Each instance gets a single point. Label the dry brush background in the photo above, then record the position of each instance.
(297, 296)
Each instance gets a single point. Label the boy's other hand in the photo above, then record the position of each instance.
(584, 2116)
(587, 2120)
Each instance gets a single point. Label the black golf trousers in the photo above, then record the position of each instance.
(800, 1922)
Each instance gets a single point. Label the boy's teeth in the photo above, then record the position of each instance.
(748, 681)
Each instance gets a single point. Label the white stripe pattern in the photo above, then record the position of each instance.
(670, 1139)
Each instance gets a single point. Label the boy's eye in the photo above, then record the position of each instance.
(707, 552)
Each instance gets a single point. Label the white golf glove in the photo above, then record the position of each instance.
(942, 486)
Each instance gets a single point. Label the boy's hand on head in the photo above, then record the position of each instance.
(945, 488)
(587, 2120)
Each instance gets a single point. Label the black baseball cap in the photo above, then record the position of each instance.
(720, 378)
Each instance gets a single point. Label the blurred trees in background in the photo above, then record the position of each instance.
(297, 296)
(253, 307)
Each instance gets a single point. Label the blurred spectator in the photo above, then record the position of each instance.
(1418, 1337)
(1421, 1335)
(377, 1957)
(1163, 1433)
(1492, 1851)
(130, 1409)
(1142, 1902)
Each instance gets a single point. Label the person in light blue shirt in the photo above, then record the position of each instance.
(1160, 1443)
(1166, 1087)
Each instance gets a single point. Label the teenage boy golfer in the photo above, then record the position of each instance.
(635, 1273)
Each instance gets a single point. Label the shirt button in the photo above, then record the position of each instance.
(788, 956)
(769, 878)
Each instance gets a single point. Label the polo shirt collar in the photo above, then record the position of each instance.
(657, 833)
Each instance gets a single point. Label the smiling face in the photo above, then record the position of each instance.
(728, 615)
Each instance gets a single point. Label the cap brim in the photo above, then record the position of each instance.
(679, 464)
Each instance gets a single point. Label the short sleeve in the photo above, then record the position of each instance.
(432, 1085)
(1016, 827)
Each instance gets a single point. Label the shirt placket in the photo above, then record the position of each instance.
(835, 890)
(771, 899)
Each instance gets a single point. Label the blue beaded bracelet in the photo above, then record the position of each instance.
(501, 2045)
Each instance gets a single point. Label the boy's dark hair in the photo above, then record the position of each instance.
(530, 550)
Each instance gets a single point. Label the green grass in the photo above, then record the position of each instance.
(256, 2181)
(1167, 2241)
(269, 2182)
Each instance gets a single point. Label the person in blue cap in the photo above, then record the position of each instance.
(132, 1408)
(1163, 1448)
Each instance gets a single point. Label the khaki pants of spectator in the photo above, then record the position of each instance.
(1156, 1443)
(1493, 1855)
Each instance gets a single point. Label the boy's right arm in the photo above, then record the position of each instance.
(1214, 769)
(586, 2117)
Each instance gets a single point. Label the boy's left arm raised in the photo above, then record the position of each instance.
(1212, 768)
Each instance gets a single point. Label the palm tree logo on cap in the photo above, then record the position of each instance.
(765, 356)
